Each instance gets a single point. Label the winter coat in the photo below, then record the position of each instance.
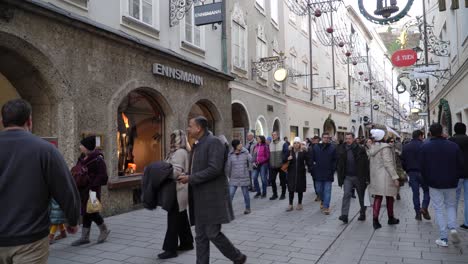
(297, 181)
(410, 156)
(158, 186)
(237, 168)
(441, 163)
(324, 162)
(56, 215)
(361, 162)
(209, 199)
(278, 152)
(262, 154)
(382, 170)
(179, 160)
(97, 172)
(462, 142)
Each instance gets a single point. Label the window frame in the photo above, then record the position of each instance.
(140, 13)
(236, 26)
(274, 19)
(262, 53)
(183, 27)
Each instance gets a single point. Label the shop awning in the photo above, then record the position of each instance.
(389, 129)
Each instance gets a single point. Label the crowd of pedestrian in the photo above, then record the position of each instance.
(196, 184)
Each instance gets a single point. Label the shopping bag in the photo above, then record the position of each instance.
(367, 198)
(93, 205)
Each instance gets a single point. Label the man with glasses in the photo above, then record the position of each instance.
(324, 166)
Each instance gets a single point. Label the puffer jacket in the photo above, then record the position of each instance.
(278, 152)
(382, 170)
(57, 216)
(262, 153)
(237, 168)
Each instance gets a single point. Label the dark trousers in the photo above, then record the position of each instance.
(212, 233)
(282, 175)
(351, 183)
(178, 228)
(416, 182)
(378, 202)
(299, 197)
(88, 219)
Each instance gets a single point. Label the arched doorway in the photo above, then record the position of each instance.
(202, 109)
(329, 126)
(261, 127)
(277, 127)
(240, 122)
(20, 79)
(140, 136)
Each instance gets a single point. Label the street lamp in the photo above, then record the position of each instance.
(280, 74)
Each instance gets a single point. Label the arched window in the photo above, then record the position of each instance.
(200, 109)
(140, 132)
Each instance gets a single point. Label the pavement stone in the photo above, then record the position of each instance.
(270, 235)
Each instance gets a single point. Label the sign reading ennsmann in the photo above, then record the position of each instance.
(177, 74)
(208, 14)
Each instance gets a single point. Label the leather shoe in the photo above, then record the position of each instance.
(282, 197)
(393, 221)
(274, 197)
(167, 255)
(425, 214)
(418, 216)
(343, 218)
(362, 217)
(185, 247)
(241, 260)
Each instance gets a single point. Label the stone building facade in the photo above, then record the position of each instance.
(83, 77)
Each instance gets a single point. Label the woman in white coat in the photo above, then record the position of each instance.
(383, 176)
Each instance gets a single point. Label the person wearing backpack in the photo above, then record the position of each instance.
(90, 173)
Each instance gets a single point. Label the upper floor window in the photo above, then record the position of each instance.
(191, 33)
(239, 41)
(293, 66)
(141, 10)
(274, 11)
(305, 78)
(292, 17)
(262, 52)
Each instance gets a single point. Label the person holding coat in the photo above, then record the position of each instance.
(297, 181)
(178, 227)
(383, 177)
(93, 160)
(324, 166)
(237, 170)
(353, 173)
(210, 203)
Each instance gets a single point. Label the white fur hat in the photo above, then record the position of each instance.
(297, 139)
(377, 134)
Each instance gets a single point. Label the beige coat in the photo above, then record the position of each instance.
(382, 170)
(180, 163)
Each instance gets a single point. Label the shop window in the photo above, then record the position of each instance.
(293, 132)
(200, 109)
(140, 133)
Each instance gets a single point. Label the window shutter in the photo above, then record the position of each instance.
(442, 6)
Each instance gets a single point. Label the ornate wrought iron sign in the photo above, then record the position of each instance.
(178, 9)
(267, 64)
(385, 11)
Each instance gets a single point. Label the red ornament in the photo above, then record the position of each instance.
(354, 62)
(348, 54)
(404, 58)
(317, 12)
(366, 79)
(341, 44)
(370, 83)
(361, 73)
(330, 30)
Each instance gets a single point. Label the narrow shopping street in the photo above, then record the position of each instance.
(271, 235)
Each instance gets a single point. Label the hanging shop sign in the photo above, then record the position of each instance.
(376, 107)
(404, 58)
(177, 74)
(208, 14)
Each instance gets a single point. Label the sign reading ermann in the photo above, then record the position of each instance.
(177, 74)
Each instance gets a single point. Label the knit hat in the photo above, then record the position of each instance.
(377, 134)
(297, 139)
(89, 142)
(269, 139)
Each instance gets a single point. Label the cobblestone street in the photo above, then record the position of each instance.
(272, 235)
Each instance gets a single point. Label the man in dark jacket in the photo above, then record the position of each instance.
(32, 171)
(314, 141)
(410, 163)
(461, 139)
(210, 203)
(441, 167)
(324, 166)
(353, 172)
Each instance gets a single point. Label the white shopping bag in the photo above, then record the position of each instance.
(367, 197)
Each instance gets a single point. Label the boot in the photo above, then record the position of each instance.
(393, 221)
(425, 214)
(103, 233)
(376, 224)
(84, 239)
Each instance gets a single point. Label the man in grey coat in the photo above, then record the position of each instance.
(210, 203)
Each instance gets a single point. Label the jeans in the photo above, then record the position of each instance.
(463, 184)
(324, 189)
(245, 192)
(263, 171)
(444, 200)
(416, 182)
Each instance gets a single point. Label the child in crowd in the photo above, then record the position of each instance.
(57, 220)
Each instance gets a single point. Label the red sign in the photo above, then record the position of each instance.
(404, 58)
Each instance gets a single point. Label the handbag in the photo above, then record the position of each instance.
(93, 205)
(285, 165)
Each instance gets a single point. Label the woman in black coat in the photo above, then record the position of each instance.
(297, 173)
